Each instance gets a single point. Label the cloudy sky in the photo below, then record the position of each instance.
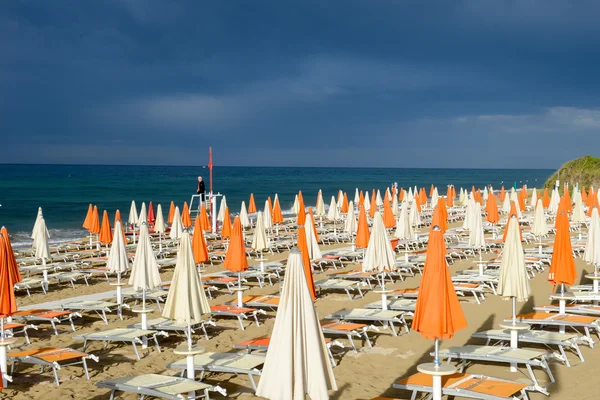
(477, 84)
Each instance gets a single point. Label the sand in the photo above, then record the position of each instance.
(368, 374)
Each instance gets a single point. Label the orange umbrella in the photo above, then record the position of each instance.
(546, 199)
(431, 189)
(301, 210)
(88, 217)
(106, 235)
(151, 217)
(8, 302)
(373, 205)
(13, 267)
(95, 222)
(171, 213)
(361, 199)
(590, 197)
(312, 219)
(593, 203)
(226, 229)
(562, 268)
(521, 203)
(344, 209)
(388, 215)
(450, 200)
(251, 204)
(118, 218)
(437, 219)
(568, 201)
(584, 195)
(523, 193)
(502, 194)
(198, 243)
(479, 198)
(513, 211)
(422, 197)
(562, 207)
(402, 194)
(203, 217)
(303, 246)
(186, 220)
(438, 314)
(362, 231)
(277, 216)
(235, 259)
(491, 209)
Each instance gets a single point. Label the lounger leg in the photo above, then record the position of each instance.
(72, 324)
(352, 343)
(104, 317)
(56, 376)
(367, 339)
(135, 350)
(112, 394)
(564, 356)
(156, 343)
(252, 382)
(532, 375)
(85, 369)
(333, 363)
(54, 327)
(578, 352)
(548, 371)
(393, 328)
(256, 319)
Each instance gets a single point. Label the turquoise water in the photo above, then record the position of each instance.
(64, 191)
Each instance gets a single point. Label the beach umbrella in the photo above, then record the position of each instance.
(171, 214)
(35, 225)
(491, 208)
(176, 225)
(568, 201)
(562, 267)
(476, 235)
(270, 203)
(301, 219)
(198, 243)
(592, 202)
(235, 259)
(502, 195)
(513, 281)
(367, 203)
(297, 362)
(534, 198)
(203, 216)
(404, 229)
(513, 211)
(344, 208)
(469, 212)
(462, 198)
(589, 201)
(554, 200)
(506, 204)
(485, 194)
(302, 243)
(296, 206)
(133, 215)
(320, 205)
(379, 255)
(514, 198)
(144, 271)
(106, 235)
(539, 227)
(332, 213)
(244, 215)
(118, 218)
(437, 219)
(592, 246)
(222, 208)
(422, 197)
(8, 302)
(388, 193)
(159, 226)
(267, 216)
(578, 213)
(546, 199)
(311, 240)
(415, 217)
(260, 240)
(362, 231)
(94, 225)
(388, 215)
(350, 224)
(395, 205)
(251, 204)
(151, 216)
(312, 222)
(340, 200)
(356, 196)
(277, 217)
(143, 215)
(434, 197)
(444, 212)
(86, 223)
(438, 314)
(186, 219)
(13, 267)
(226, 229)
(118, 262)
(186, 301)
(361, 200)
(373, 204)
(431, 189)
(378, 199)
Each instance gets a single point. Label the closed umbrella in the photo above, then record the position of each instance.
(539, 227)
(118, 262)
(362, 231)
(277, 217)
(332, 213)
(303, 246)
(176, 226)
(198, 244)
(404, 229)
(86, 222)
(546, 199)
(344, 208)
(554, 200)
(235, 259)
(186, 219)
(438, 314)
(350, 224)
(244, 215)
(297, 362)
(578, 216)
(320, 206)
(106, 235)
(395, 205)
(296, 205)
(311, 240)
(251, 204)
(534, 198)
(142, 215)
(378, 199)
(171, 214)
(388, 215)
(367, 203)
(151, 215)
(226, 229)
(204, 222)
(222, 208)
(144, 272)
(132, 220)
(415, 217)
(312, 222)
(36, 230)
(42, 250)
(260, 240)
(267, 216)
(159, 226)
(15, 273)
(8, 301)
(592, 246)
(476, 235)
(562, 266)
(374, 205)
(356, 196)
(379, 256)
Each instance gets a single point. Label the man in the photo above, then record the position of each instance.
(201, 188)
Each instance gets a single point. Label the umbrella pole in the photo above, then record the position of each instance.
(436, 360)
(514, 310)
(91, 240)
(160, 243)
(144, 316)
(190, 347)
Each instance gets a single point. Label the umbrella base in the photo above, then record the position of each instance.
(436, 371)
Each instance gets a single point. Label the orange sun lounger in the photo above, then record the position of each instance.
(241, 313)
(15, 328)
(53, 357)
(348, 329)
(52, 316)
(260, 301)
(262, 344)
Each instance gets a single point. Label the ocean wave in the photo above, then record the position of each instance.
(21, 239)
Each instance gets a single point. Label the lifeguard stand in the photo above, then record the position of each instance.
(211, 204)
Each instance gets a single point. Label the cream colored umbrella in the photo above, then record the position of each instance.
(476, 235)
(340, 200)
(506, 204)
(578, 216)
(404, 229)
(462, 198)
(296, 206)
(592, 246)
(356, 196)
(378, 199)
(332, 213)
(320, 209)
(513, 281)
(534, 198)
(159, 226)
(260, 240)
(42, 249)
(388, 194)
(469, 212)
(118, 262)
(268, 222)
(409, 195)
(176, 226)
(35, 231)
(434, 198)
(297, 362)
(486, 194)
(554, 200)
(415, 218)
(132, 220)
(379, 255)
(244, 215)
(350, 225)
(314, 252)
(539, 227)
(222, 207)
(143, 215)
(395, 205)
(144, 272)
(367, 202)
(514, 197)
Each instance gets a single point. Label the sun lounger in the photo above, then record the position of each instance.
(374, 316)
(465, 385)
(474, 289)
(168, 325)
(339, 284)
(240, 313)
(157, 295)
(262, 344)
(501, 355)
(123, 335)
(584, 309)
(220, 281)
(406, 305)
(30, 283)
(161, 386)
(53, 317)
(12, 329)
(52, 357)
(348, 329)
(267, 301)
(358, 275)
(488, 281)
(98, 306)
(561, 340)
(71, 277)
(574, 322)
(225, 363)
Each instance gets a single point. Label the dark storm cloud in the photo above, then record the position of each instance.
(377, 83)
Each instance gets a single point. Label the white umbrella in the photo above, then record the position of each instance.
(554, 200)
(462, 198)
(350, 225)
(159, 226)
(222, 207)
(297, 363)
(132, 219)
(592, 247)
(379, 255)
(415, 218)
(485, 194)
(296, 206)
(395, 205)
(332, 214)
(388, 194)
(244, 215)
(434, 197)
(476, 236)
(409, 196)
(320, 209)
(340, 200)
(176, 226)
(314, 253)
(515, 198)
(267, 216)
(506, 204)
(356, 196)
(469, 212)
(143, 215)
(35, 229)
(404, 229)
(367, 202)
(534, 198)
(144, 272)
(378, 199)
(513, 281)
(539, 227)
(578, 213)
(260, 241)
(118, 262)
(42, 250)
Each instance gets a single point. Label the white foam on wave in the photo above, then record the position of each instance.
(22, 239)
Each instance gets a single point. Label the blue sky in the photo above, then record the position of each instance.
(477, 84)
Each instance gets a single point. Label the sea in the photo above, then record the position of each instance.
(65, 191)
